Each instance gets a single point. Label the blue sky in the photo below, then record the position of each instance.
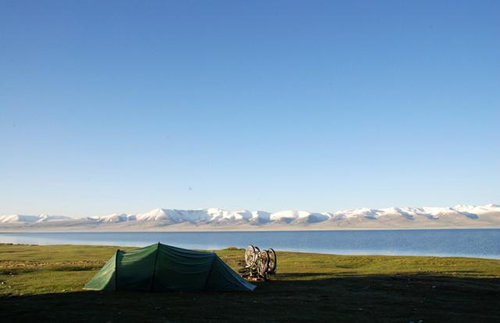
(125, 106)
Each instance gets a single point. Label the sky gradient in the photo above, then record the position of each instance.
(126, 106)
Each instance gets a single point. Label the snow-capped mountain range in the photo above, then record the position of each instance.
(214, 218)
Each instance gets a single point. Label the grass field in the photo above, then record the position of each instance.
(44, 284)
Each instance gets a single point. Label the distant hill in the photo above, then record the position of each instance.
(460, 216)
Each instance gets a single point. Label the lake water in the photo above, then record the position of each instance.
(484, 243)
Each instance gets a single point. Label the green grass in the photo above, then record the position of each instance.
(44, 284)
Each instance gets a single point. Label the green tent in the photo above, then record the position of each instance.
(165, 268)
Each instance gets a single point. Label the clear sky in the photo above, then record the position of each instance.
(126, 106)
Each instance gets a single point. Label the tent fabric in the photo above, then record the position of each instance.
(161, 268)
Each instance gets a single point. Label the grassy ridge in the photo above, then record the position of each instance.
(311, 287)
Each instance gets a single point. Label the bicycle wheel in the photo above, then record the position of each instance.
(256, 255)
(250, 255)
(262, 263)
(273, 261)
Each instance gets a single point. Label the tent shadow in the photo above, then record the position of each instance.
(301, 297)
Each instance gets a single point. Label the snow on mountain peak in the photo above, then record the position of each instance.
(153, 215)
(289, 214)
(219, 216)
(115, 217)
(18, 218)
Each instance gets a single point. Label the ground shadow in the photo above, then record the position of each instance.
(377, 298)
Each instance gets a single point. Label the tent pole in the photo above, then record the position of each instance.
(116, 269)
(154, 268)
(210, 271)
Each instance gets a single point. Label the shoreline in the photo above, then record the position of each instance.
(221, 230)
(335, 242)
(305, 252)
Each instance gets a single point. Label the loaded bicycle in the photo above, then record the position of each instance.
(259, 264)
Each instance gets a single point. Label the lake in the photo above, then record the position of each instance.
(484, 243)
